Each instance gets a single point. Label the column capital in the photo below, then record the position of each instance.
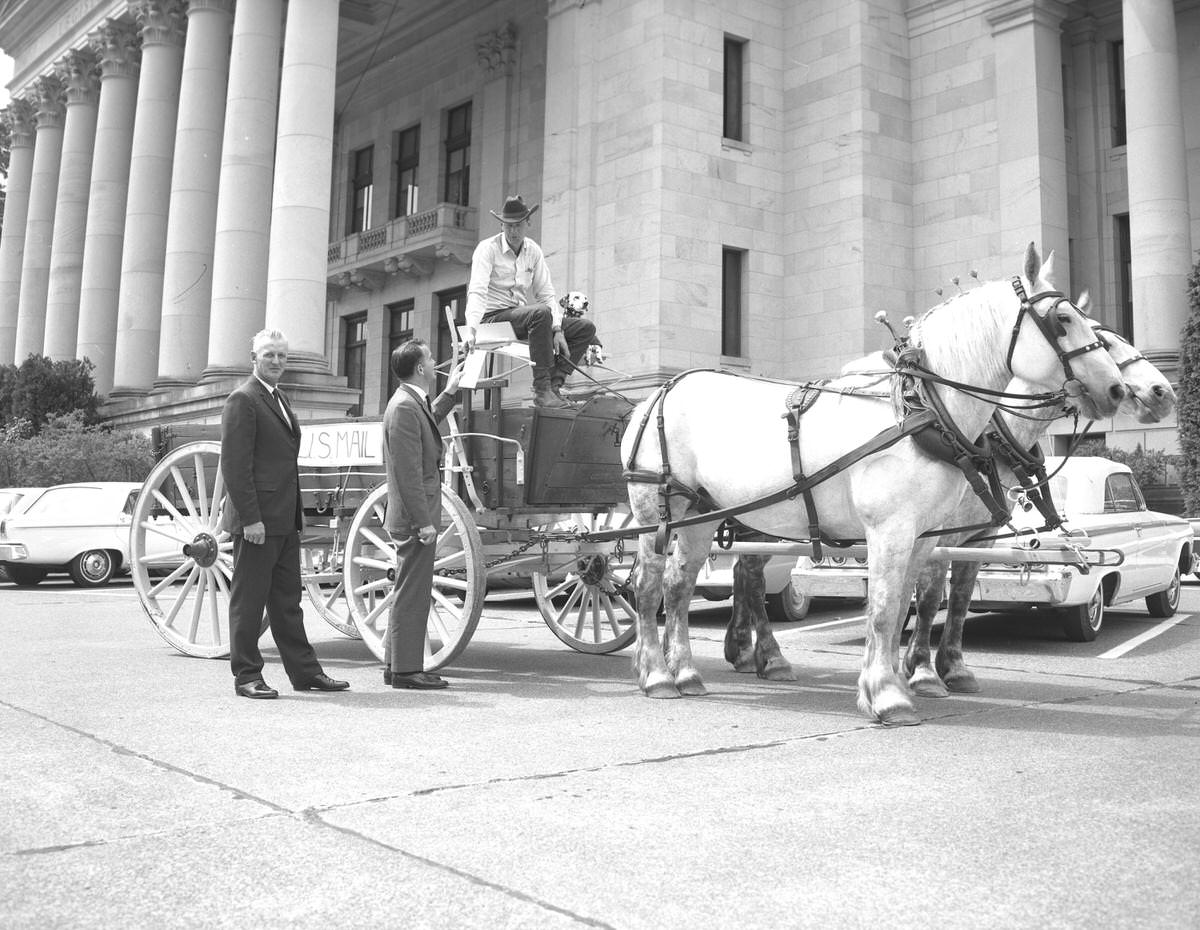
(162, 22)
(496, 52)
(18, 115)
(118, 45)
(79, 71)
(1012, 14)
(218, 6)
(48, 94)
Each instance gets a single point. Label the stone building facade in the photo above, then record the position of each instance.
(732, 184)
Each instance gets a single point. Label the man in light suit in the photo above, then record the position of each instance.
(412, 451)
(260, 444)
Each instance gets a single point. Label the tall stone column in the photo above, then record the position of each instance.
(239, 280)
(39, 226)
(20, 119)
(162, 24)
(191, 223)
(303, 165)
(79, 73)
(1031, 138)
(118, 46)
(496, 55)
(1159, 232)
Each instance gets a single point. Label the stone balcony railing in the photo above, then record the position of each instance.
(408, 245)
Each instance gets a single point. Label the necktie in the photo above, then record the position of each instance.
(283, 407)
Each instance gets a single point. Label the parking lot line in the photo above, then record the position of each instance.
(841, 621)
(1156, 630)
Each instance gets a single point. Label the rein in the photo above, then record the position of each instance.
(1052, 331)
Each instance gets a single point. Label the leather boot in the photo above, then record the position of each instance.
(556, 385)
(543, 394)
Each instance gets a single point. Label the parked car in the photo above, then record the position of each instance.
(82, 529)
(784, 602)
(14, 501)
(1196, 537)
(1102, 499)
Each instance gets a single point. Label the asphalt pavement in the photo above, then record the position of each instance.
(542, 790)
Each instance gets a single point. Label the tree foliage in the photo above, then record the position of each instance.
(40, 388)
(1188, 410)
(1148, 467)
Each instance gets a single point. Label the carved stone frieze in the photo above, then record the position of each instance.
(162, 22)
(119, 47)
(19, 117)
(79, 71)
(220, 6)
(496, 52)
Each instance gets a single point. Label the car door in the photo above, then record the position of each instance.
(1124, 503)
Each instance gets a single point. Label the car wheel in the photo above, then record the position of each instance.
(1165, 603)
(787, 606)
(25, 576)
(1082, 622)
(92, 569)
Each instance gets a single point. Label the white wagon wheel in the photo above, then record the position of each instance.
(322, 572)
(176, 535)
(459, 581)
(585, 597)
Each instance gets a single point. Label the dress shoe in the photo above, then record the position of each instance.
(323, 682)
(255, 689)
(419, 681)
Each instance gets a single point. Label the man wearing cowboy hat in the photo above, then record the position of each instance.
(510, 282)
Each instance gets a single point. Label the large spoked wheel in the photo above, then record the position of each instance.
(324, 583)
(459, 584)
(181, 562)
(586, 597)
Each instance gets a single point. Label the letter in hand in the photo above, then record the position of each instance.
(456, 375)
(468, 341)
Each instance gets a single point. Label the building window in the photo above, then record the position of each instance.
(361, 190)
(456, 300)
(354, 356)
(733, 263)
(407, 146)
(735, 89)
(1124, 249)
(458, 155)
(1118, 93)
(400, 330)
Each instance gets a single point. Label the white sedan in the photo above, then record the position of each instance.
(82, 529)
(1097, 497)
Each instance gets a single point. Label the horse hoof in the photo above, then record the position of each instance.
(929, 687)
(660, 691)
(778, 671)
(690, 685)
(898, 717)
(744, 663)
(964, 683)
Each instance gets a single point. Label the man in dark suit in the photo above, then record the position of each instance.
(260, 444)
(412, 451)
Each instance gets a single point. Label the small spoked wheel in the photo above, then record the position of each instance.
(585, 595)
(323, 577)
(181, 561)
(459, 584)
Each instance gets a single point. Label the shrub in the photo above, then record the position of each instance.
(1149, 468)
(1188, 411)
(69, 449)
(40, 388)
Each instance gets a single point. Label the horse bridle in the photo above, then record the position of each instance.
(1100, 330)
(1053, 331)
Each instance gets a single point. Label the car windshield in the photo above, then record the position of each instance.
(65, 501)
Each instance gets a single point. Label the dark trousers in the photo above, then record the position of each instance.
(536, 327)
(267, 577)
(404, 647)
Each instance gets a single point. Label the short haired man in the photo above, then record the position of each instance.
(260, 446)
(412, 454)
(511, 282)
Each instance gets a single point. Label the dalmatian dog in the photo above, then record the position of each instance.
(575, 304)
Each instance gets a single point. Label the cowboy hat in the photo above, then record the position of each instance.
(514, 210)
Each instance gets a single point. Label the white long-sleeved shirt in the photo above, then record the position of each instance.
(500, 278)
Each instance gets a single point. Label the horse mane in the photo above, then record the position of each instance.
(968, 334)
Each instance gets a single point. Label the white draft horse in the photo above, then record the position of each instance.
(1149, 398)
(724, 436)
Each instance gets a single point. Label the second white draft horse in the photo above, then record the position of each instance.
(724, 438)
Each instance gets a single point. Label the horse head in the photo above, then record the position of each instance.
(1150, 397)
(1057, 348)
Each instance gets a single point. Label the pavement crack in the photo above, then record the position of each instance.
(120, 750)
(316, 819)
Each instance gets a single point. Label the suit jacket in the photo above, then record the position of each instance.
(258, 461)
(412, 453)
